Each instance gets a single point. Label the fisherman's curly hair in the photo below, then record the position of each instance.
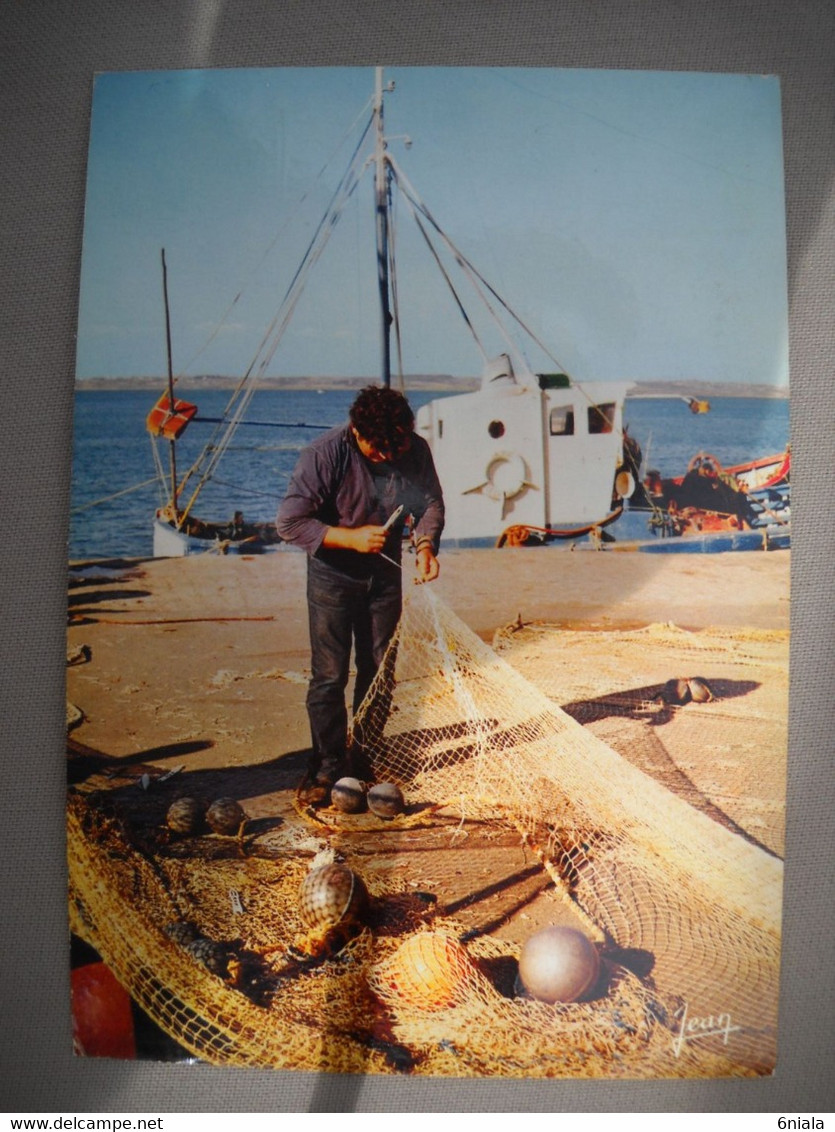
(383, 417)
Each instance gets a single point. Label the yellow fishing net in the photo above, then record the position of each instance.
(684, 909)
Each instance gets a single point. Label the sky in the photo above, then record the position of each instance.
(634, 220)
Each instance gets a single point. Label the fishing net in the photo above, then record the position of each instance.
(726, 757)
(643, 871)
(684, 910)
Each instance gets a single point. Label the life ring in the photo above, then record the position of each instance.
(506, 476)
(704, 460)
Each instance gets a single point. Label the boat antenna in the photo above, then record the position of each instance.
(171, 445)
(381, 197)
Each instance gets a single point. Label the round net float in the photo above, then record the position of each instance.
(429, 971)
(348, 795)
(700, 691)
(185, 815)
(386, 800)
(558, 964)
(331, 895)
(225, 815)
(209, 954)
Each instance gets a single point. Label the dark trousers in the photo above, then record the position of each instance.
(344, 611)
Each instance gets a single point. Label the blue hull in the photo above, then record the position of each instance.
(719, 542)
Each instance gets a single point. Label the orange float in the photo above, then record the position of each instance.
(102, 1020)
(430, 971)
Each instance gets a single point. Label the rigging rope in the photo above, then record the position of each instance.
(447, 279)
(161, 473)
(394, 294)
(247, 490)
(115, 495)
(245, 389)
(263, 424)
(464, 263)
(290, 219)
(473, 273)
(275, 331)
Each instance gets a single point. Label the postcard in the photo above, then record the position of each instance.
(427, 662)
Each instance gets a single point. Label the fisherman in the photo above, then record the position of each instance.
(237, 527)
(344, 491)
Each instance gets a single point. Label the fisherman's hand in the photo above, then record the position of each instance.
(427, 565)
(368, 540)
(364, 540)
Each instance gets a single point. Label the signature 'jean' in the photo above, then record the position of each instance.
(344, 611)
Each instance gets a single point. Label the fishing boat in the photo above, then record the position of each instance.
(763, 474)
(749, 477)
(528, 456)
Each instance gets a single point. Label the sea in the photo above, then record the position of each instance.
(116, 489)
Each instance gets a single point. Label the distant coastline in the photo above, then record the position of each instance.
(441, 383)
(194, 384)
(708, 389)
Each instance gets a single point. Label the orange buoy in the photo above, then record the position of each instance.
(102, 1020)
(429, 970)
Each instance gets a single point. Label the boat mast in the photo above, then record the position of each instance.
(171, 445)
(381, 195)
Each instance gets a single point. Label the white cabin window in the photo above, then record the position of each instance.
(561, 421)
(602, 417)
